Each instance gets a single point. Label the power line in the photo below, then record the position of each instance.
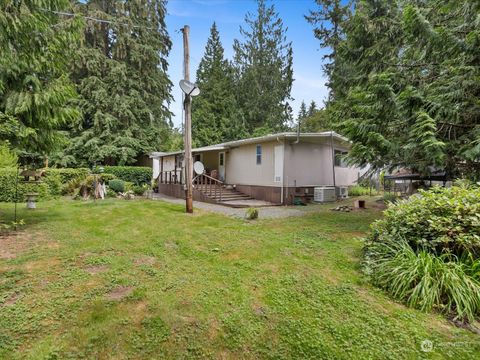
(103, 21)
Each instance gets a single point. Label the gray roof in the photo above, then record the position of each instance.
(259, 139)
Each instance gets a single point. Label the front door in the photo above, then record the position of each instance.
(221, 166)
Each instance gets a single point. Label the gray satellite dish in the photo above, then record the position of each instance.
(198, 167)
(189, 88)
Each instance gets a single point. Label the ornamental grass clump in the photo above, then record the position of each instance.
(426, 251)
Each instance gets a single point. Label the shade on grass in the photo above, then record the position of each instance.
(141, 280)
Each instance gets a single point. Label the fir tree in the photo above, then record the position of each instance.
(312, 108)
(410, 92)
(121, 77)
(329, 20)
(215, 117)
(34, 88)
(302, 112)
(263, 62)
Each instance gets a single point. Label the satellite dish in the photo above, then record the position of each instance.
(198, 167)
(189, 88)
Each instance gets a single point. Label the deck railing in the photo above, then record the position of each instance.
(209, 186)
(171, 177)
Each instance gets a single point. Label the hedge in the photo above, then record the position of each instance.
(7, 187)
(68, 174)
(138, 175)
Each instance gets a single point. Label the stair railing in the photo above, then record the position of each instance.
(208, 185)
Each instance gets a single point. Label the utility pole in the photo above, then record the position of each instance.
(188, 125)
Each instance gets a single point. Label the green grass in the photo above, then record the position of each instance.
(201, 286)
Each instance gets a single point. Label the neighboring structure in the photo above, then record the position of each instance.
(406, 182)
(274, 168)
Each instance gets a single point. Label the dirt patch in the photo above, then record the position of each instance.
(95, 269)
(145, 260)
(6, 255)
(14, 244)
(171, 245)
(42, 265)
(259, 310)
(119, 293)
(12, 299)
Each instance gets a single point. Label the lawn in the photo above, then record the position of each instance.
(141, 280)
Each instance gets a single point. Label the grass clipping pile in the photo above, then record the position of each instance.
(425, 252)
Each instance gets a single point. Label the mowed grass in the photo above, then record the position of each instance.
(142, 280)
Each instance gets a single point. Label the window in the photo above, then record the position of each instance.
(179, 161)
(197, 157)
(259, 154)
(339, 158)
(221, 159)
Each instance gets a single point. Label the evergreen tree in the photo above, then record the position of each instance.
(120, 73)
(317, 122)
(410, 92)
(302, 113)
(312, 109)
(329, 20)
(34, 88)
(263, 62)
(215, 116)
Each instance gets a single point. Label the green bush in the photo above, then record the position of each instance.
(8, 178)
(117, 185)
(68, 174)
(136, 174)
(389, 197)
(251, 214)
(424, 280)
(357, 190)
(54, 183)
(139, 190)
(440, 220)
(425, 251)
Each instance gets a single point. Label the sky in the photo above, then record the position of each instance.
(309, 83)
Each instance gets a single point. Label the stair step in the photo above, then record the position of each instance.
(226, 194)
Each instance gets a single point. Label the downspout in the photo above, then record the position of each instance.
(333, 158)
(283, 170)
(298, 133)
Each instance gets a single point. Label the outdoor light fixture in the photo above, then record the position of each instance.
(189, 88)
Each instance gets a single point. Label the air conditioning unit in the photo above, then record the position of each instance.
(324, 194)
(342, 192)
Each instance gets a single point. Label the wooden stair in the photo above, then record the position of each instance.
(218, 192)
(224, 195)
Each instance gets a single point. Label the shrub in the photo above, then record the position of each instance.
(425, 251)
(68, 174)
(138, 175)
(8, 178)
(106, 177)
(357, 190)
(117, 185)
(139, 190)
(441, 220)
(251, 214)
(389, 197)
(424, 280)
(54, 183)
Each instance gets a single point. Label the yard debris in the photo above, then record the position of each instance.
(344, 208)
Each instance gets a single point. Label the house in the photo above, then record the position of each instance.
(274, 168)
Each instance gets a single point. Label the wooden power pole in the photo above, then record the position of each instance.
(188, 125)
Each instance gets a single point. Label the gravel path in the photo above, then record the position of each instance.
(270, 212)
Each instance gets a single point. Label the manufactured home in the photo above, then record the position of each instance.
(275, 168)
